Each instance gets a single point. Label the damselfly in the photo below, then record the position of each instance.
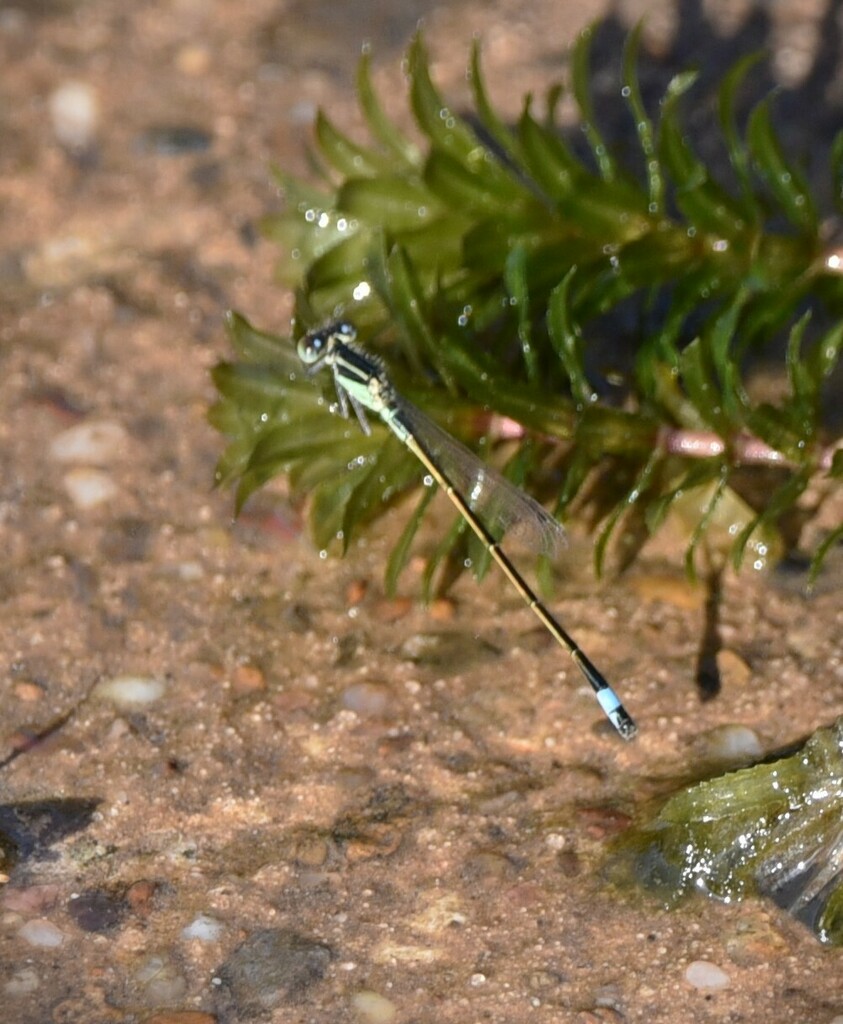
(362, 383)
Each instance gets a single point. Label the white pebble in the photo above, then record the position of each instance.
(22, 982)
(74, 111)
(130, 691)
(93, 443)
(190, 572)
(88, 487)
(704, 974)
(41, 933)
(161, 981)
(732, 745)
(369, 700)
(202, 928)
(373, 1008)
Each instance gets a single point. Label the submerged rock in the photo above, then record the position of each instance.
(273, 966)
(772, 830)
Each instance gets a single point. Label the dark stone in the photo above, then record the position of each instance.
(273, 966)
(97, 910)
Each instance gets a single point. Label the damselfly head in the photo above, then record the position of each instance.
(317, 344)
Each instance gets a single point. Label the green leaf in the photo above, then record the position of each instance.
(400, 554)
(567, 340)
(701, 387)
(547, 159)
(634, 496)
(379, 124)
(515, 282)
(785, 182)
(779, 502)
(447, 132)
(478, 189)
(831, 541)
(581, 76)
(701, 200)
(737, 150)
(346, 156)
(387, 474)
(256, 346)
(396, 203)
(643, 124)
(503, 136)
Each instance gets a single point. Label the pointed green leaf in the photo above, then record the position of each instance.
(633, 497)
(738, 154)
(515, 282)
(447, 132)
(701, 200)
(400, 554)
(392, 202)
(581, 76)
(481, 188)
(379, 124)
(785, 182)
(779, 502)
(567, 340)
(701, 387)
(503, 136)
(256, 346)
(643, 124)
(834, 538)
(548, 160)
(345, 156)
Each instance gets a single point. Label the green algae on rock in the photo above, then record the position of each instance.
(775, 829)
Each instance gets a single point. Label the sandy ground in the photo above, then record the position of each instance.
(332, 806)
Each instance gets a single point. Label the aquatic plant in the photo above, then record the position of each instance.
(775, 829)
(488, 262)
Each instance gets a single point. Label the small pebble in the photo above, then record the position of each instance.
(373, 1008)
(356, 591)
(97, 910)
(247, 679)
(130, 691)
(28, 692)
(734, 671)
(34, 899)
(175, 140)
(22, 982)
(41, 933)
(369, 700)
(704, 974)
(194, 59)
(189, 572)
(673, 589)
(392, 609)
(731, 745)
(140, 897)
(311, 851)
(203, 929)
(161, 981)
(74, 112)
(442, 609)
(436, 649)
(272, 967)
(88, 487)
(94, 442)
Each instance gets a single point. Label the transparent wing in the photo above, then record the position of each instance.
(499, 504)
